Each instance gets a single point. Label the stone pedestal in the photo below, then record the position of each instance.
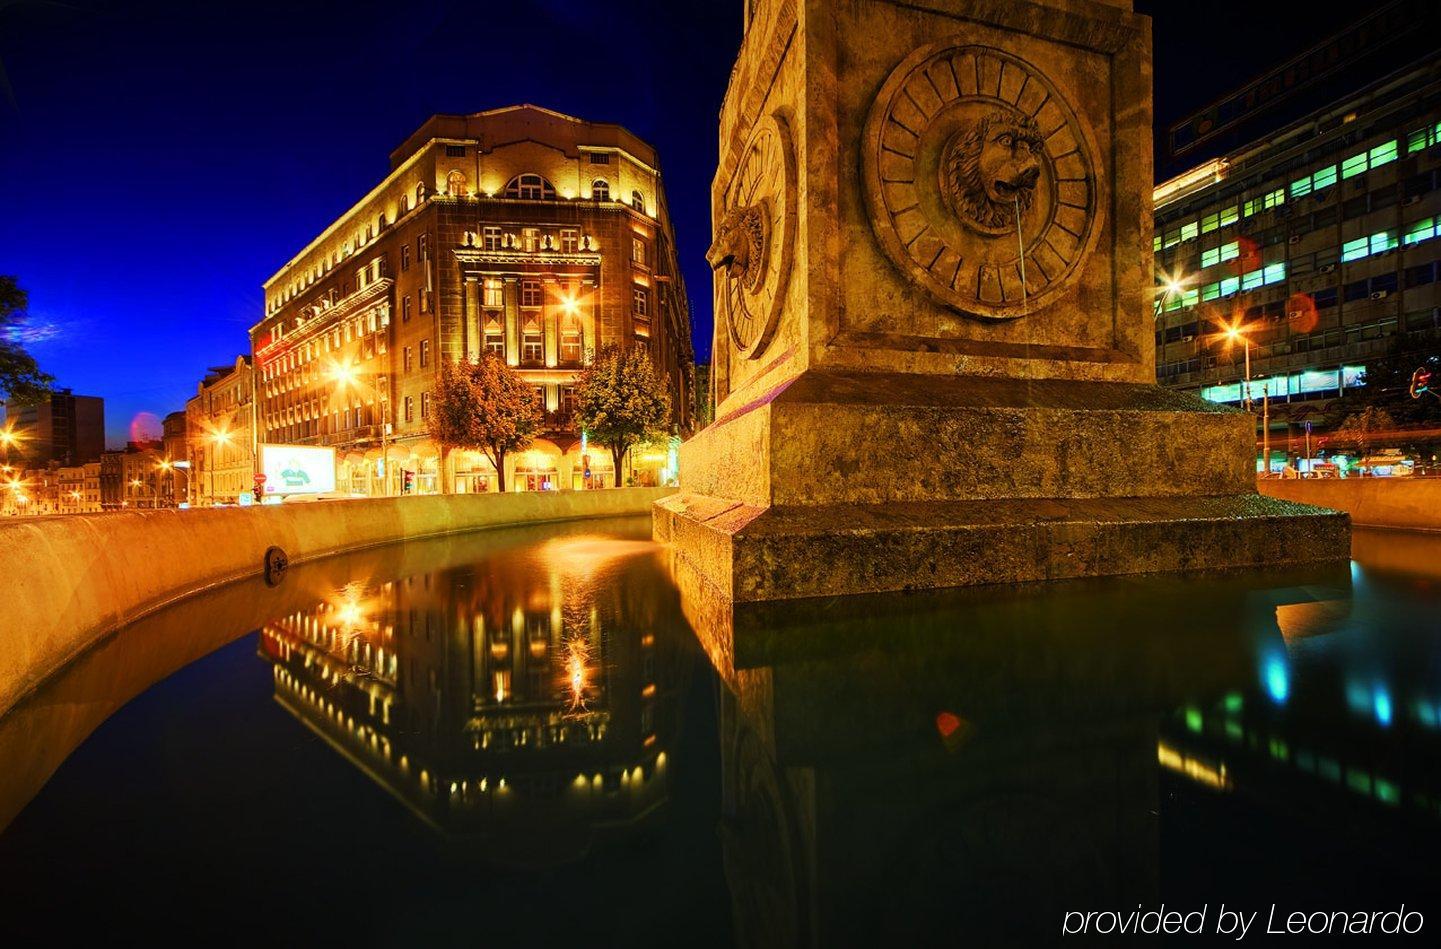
(934, 356)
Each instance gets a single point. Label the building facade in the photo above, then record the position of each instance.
(79, 489)
(64, 428)
(520, 231)
(220, 435)
(1317, 246)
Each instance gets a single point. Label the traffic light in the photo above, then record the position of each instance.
(407, 480)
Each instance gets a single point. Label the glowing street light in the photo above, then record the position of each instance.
(346, 374)
(1234, 333)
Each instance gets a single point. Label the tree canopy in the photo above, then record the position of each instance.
(20, 376)
(484, 407)
(621, 400)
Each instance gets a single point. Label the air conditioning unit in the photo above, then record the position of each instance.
(1414, 199)
(1188, 339)
(1326, 268)
(1294, 239)
(1380, 294)
(1295, 314)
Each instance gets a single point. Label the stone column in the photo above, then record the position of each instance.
(550, 322)
(512, 321)
(589, 293)
(471, 320)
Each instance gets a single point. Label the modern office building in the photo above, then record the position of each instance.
(1317, 246)
(63, 428)
(524, 232)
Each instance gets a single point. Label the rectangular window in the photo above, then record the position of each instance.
(1354, 250)
(1301, 187)
(569, 240)
(1324, 178)
(404, 257)
(1274, 273)
(1210, 257)
(425, 405)
(424, 353)
(642, 301)
(409, 409)
(530, 293)
(1252, 280)
(490, 238)
(637, 251)
(570, 336)
(1189, 231)
(1382, 241)
(405, 359)
(530, 239)
(495, 336)
(599, 158)
(1423, 138)
(532, 341)
(1383, 154)
(1156, 244)
(405, 309)
(1353, 166)
(492, 294)
(1274, 199)
(1229, 215)
(455, 151)
(424, 295)
(1420, 231)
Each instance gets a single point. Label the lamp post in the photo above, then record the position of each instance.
(345, 374)
(1233, 333)
(170, 467)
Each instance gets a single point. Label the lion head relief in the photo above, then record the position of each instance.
(740, 245)
(989, 170)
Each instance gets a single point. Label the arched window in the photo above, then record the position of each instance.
(455, 184)
(419, 194)
(600, 190)
(404, 205)
(530, 188)
(637, 201)
(380, 222)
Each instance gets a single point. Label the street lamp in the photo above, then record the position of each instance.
(170, 467)
(344, 375)
(9, 438)
(1233, 333)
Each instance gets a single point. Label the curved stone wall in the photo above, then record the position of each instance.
(1407, 503)
(72, 579)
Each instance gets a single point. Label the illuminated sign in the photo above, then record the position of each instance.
(297, 469)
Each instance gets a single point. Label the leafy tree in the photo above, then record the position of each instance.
(484, 407)
(1363, 428)
(620, 400)
(1388, 382)
(20, 376)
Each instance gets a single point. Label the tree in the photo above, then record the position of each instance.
(20, 376)
(1363, 428)
(620, 400)
(484, 407)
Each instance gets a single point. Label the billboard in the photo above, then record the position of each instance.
(297, 469)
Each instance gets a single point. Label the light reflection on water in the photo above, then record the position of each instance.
(502, 715)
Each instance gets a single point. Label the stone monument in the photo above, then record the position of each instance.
(933, 356)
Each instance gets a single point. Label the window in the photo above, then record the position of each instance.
(1420, 231)
(569, 240)
(1272, 199)
(1423, 138)
(1220, 254)
(405, 309)
(530, 188)
(422, 247)
(409, 409)
(424, 353)
(1189, 231)
(419, 194)
(532, 342)
(1376, 243)
(599, 158)
(600, 190)
(530, 239)
(1324, 178)
(637, 251)
(490, 238)
(567, 399)
(642, 301)
(570, 340)
(530, 293)
(492, 293)
(1220, 219)
(405, 359)
(404, 257)
(455, 184)
(455, 151)
(494, 334)
(637, 201)
(425, 405)
(424, 295)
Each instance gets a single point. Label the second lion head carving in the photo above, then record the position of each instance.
(989, 170)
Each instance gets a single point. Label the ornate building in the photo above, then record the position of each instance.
(221, 446)
(534, 235)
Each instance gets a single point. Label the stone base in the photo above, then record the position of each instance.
(754, 554)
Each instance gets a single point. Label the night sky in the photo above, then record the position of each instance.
(160, 159)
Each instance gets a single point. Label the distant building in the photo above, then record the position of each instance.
(63, 428)
(1319, 243)
(175, 446)
(520, 231)
(704, 396)
(134, 478)
(80, 488)
(220, 443)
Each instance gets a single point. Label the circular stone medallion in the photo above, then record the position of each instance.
(755, 238)
(963, 143)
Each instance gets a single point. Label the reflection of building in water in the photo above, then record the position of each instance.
(521, 698)
(924, 769)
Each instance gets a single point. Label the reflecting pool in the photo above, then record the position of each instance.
(557, 735)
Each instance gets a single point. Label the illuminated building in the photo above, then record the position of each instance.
(1320, 241)
(220, 445)
(79, 489)
(521, 231)
(61, 427)
(515, 698)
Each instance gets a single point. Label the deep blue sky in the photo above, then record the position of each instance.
(159, 159)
